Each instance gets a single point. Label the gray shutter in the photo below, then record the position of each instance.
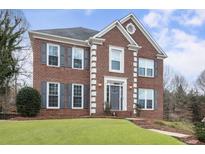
(69, 57)
(86, 59)
(155, 68)
(62, 91)
(62, 56)
(69, 96)
(155, 99)
(43, 94)
(86, 96)
(43, 53)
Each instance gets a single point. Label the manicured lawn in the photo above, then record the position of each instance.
(79, 131)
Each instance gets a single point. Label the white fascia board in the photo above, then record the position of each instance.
(145, 32)
(56, 38)
(122, 30)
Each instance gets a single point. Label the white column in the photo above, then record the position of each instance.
(93, 81)
(135, 80)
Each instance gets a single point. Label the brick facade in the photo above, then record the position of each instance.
(41, 72)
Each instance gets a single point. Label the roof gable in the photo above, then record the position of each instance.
(121, 29)
(145, 33)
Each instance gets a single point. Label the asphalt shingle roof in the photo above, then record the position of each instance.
(75, 32)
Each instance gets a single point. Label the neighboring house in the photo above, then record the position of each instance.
(79, 70)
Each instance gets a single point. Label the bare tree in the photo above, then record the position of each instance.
(179, 81)
(167, 77)
(201, 82)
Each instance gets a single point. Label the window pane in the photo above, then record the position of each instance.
(53, 101)
(116, 55)
(77, 96)
(142, 103)
(142, 71)
(141, 94)
(149, 104)
(53, 60)
(77, 102)
(53, 50)
(53, 95)
(142, 63)
(78, 53)
(149, 72)
(115, 65)
(53, 89)
(150, 63)
(77, 63)
(77, 57)
(149, 94)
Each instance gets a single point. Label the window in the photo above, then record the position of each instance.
(130, 28)
(116, 59)
(53, 95)
(77, 58)
(77, 96)
(146, 67)
(146, 98)
(53, 55)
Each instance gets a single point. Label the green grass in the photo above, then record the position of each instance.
(79, 131)
(181, 125)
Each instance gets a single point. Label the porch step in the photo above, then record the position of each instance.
(144, 123)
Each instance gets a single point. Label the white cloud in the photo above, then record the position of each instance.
(88, 12)
(157, 18)
(192, 18)
(185, 51)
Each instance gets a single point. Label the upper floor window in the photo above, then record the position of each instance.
(77, 96)
(116, 59)
(53, 55)
(77, 58)
(146, 98)
(146, 67)
(53, 98)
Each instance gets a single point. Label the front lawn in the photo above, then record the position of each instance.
(79, 131)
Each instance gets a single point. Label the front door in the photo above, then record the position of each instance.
(115, 96)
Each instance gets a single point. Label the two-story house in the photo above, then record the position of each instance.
(81, 71)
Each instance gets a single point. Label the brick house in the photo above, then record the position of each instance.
(80, 71)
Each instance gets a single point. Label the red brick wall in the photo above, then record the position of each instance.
(42, 72)
(115, 38)
(148, 51)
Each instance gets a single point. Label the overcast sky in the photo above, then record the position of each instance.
(180, 33)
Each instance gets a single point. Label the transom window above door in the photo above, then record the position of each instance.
(146, 67)
(116, 59)
(53, 52)
(77, 58)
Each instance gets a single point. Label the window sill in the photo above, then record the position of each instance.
(76, 108)
(113, 71)
(53, 66)
(151, 77)
(77, 68)
(53, 108)
(147, 109)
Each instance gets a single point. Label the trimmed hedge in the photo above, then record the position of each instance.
(28, 102)
(200, 131)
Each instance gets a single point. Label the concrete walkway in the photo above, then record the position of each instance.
(178, 135)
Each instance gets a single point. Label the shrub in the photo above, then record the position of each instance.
(138, 109)
(28, 102)
(200, 131)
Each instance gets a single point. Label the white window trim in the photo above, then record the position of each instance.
(146, 98)
(82, 95)
(47, 102)
(117, 79)
(47, 50)
(134, 29)
(121, 60)
(147, 68)
(73, 58)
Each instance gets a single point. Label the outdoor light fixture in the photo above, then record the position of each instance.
(130, 86)
(99, 84)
